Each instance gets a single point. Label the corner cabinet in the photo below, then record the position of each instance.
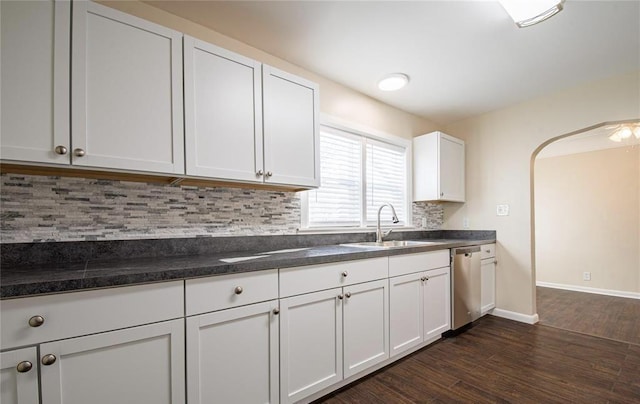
(34, 69)
(247, 121)
(19, 376)
(438, 168)
(487, 278)
(126, 92)
(86, 350)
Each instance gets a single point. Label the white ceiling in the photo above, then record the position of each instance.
(464, 57)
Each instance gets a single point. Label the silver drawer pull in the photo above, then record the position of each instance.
(49, 359)
(345, 274)
(36, 321)
(340, 297)
(24, 366)
(347, 295)
(276, 311)
(238, 290)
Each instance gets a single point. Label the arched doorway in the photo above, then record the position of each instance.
(586, 231)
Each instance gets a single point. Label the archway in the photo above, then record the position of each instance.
(585, 217)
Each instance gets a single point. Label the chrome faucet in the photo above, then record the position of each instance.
(379, 233)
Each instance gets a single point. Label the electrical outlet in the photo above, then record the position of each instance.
(465, 223)
(424, 222)
(586, 276)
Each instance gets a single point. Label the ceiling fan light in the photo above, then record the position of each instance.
(616, 136)
(624, 132)
(527, 12)
(393, 82)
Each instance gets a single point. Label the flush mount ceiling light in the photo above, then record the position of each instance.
(393, 82)
(529, 12)
(624, 132)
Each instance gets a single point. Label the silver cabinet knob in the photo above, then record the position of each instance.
(276, 311)
(60, 150)
(487, 251)
(347, 295)
(269, 174)
(79, 152)
(260, 173)
(24, 366)
(238, 290)
(441, 193)
(48, 359)
(423, 279)
(340, 297)
(345, 274)
(36, 321)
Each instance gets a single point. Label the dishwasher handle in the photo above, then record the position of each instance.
(466, 250)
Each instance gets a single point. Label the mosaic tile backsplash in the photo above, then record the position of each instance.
(39, 208)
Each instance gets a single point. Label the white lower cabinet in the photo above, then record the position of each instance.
(487, 278)
(420, 308)
(142, 364)
(330, 335)
(310, 343)
(232, 355)
(366, 325)
(19, 376)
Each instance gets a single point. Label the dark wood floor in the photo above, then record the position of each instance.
(505, 361)
(610, 317)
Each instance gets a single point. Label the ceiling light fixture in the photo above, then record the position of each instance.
(624, 132)
(393, 82)
(529, 12)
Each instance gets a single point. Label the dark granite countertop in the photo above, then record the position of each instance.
(104, 270)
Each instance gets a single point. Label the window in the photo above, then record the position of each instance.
(358, 173)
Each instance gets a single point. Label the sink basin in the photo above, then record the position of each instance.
(392, 244)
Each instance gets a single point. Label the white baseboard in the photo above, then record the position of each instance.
(608, 292)
(512, 315)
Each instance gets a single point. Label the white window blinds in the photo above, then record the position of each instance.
(358, 175)
(338, 200)
(386, 181)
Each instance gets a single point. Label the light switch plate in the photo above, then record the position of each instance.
(502, 210)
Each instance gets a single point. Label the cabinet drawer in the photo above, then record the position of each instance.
(487, 251)
(410, 263)
(80, 313)
(221, 292)
(298, 280)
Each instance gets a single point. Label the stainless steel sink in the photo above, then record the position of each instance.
(392, 244)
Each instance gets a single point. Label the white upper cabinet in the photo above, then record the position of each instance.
(126, 92)
(34, 67)
(247, 121)
(438, 168)
(223, 113)
(291, 140)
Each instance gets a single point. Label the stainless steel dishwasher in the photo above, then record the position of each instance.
(466, 286)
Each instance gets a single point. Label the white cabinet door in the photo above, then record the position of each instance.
(310, 343)
(223, 113)
(34, 70)
(291, 141)
(451, 169)
(19, 376)
(488, 285)
(406, 317)
(366, 325)
(134, 365)
(438, 168)
(233, 355)
(437, 302)
(126, 92)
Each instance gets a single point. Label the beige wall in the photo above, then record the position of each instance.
(499, 149)
(589, 202)
(335, 100)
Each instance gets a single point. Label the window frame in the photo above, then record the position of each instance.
(360, 131)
